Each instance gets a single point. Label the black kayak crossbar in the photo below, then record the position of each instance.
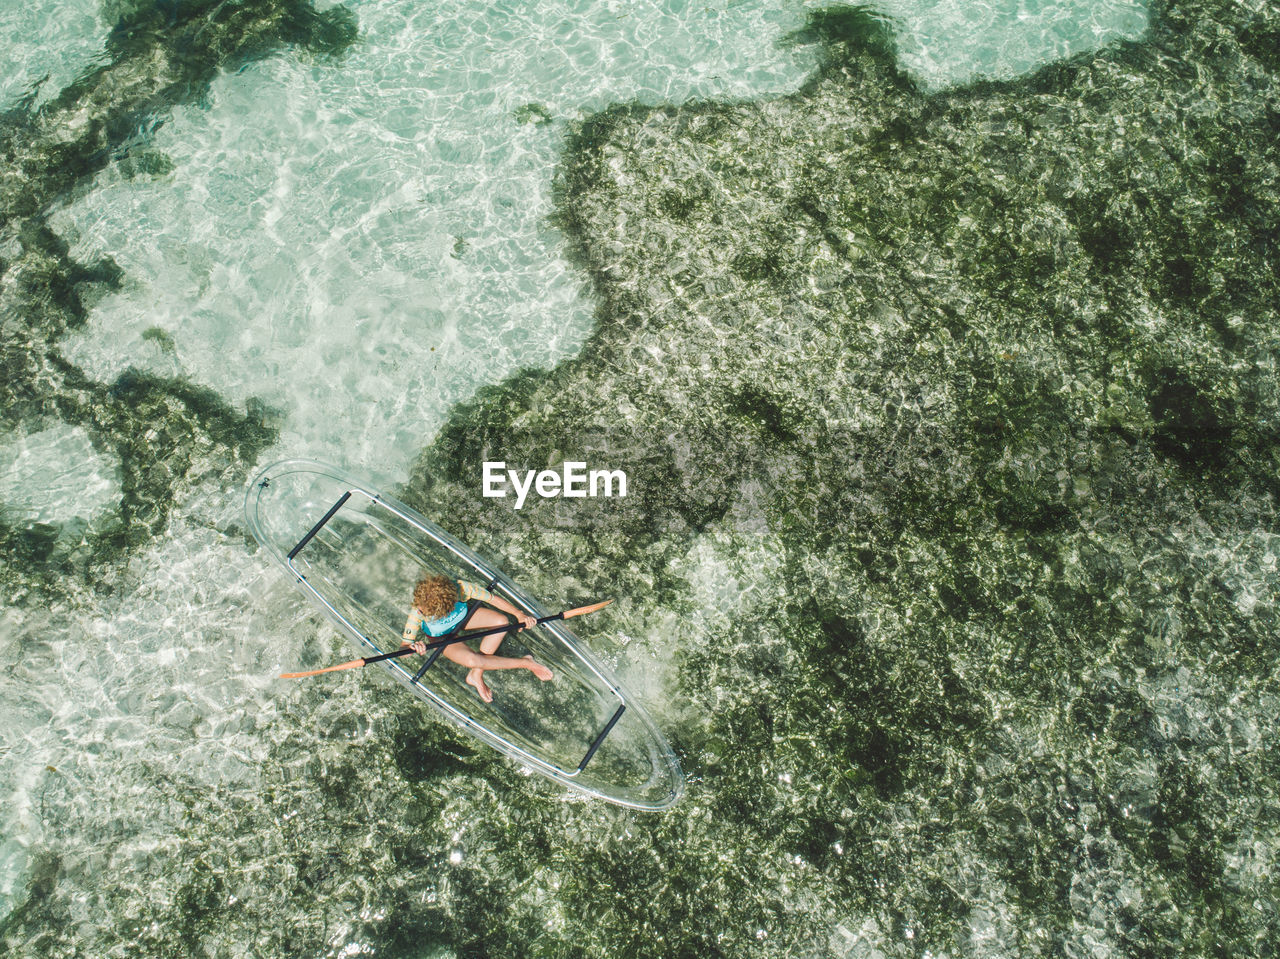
(438, 647)
(608, 728)
(320, 525)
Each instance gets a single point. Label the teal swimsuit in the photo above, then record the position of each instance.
(470, 596)
(448, 622)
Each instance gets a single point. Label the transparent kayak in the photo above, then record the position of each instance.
(357, 553)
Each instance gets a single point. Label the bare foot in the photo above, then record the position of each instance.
(539, 670)
(475, 678)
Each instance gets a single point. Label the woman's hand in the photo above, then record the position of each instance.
(419, 647)
(529, 621)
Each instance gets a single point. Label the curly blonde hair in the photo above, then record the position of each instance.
(435, 595)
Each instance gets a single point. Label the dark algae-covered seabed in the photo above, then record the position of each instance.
(948, 561)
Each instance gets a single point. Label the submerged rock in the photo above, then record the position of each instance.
(961, 405)
(164, 431)
(993, 368)
(157, 55)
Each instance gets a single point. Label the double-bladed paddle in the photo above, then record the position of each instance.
(449, 641)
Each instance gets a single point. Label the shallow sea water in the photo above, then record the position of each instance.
(355, 246)
(366, 243)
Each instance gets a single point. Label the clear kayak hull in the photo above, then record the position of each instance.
(357, 553)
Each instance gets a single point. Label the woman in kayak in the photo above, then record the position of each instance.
(441, 606)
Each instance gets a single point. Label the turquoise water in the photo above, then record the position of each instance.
(373, 243)
(46, 45)
(347, 247)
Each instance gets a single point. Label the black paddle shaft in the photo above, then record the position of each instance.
(461, 638)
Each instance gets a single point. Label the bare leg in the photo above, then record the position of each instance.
(477, 663)
(485, 618)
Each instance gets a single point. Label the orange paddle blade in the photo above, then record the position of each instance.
(328, 669)
(583, 610)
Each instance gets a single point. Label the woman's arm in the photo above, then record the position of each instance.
(497, 602)
(469, 591)
(411, 627)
